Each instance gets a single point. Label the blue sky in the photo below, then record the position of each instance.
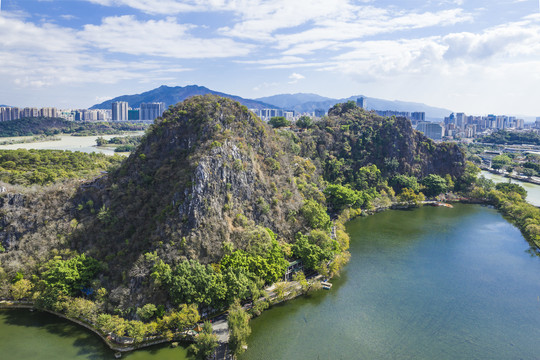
(473, 56)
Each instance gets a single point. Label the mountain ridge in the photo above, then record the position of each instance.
(176, 94)
(300, 102)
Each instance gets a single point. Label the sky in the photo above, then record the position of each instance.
(477, 57)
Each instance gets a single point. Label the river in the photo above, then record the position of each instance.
(533, 190)
(73, 143)
(428, 283)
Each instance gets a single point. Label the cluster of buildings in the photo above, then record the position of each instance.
(462, 126)
(456, 126)
(14, 113)
(120, 111)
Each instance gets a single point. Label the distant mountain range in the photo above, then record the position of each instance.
(173, 95)
(300, 102)
(310, 102)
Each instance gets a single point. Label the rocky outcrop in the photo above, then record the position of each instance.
(208, 172)
(33, 222)
(351, 138)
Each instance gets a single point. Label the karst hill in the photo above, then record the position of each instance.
(209, 178)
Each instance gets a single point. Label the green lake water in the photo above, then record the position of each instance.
(429, 283)
(26, 335)
(533, 190)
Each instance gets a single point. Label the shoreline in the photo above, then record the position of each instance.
(107, 338)
(293, 290)
(515, 177)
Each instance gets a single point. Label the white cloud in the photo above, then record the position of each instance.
(125, 34)
(513, 43)
(34, 56)
(295, 77)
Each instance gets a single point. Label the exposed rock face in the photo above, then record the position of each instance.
(34, 222)
(204, 174)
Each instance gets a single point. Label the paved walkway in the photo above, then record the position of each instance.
(220, 328)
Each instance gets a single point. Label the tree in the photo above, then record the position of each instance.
(368, 177)
(434, 185)
(147, 311)
(279, 121)
(239, 329)
(315, 215)
(70, 276)
(500, 161)
(400, 182)
(409, 196)
(304, 122)
(339, 197)
(529, 172)
(21, 289)
(205, 343)
(511, 187)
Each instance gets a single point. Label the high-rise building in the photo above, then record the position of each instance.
(15, 113)
(418, 116)
(133, 114)
(119, 111)
(151, 111)
(390, 113)
(362, 102)
(460, 120)
(432, 130)
(30, 112)
(48, 112)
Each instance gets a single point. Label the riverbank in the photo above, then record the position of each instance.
(532, 179)
(116, 343)
(28, 139)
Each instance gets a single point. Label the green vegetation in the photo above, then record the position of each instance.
(205, 343)
(304, 122)
(69, 276)
(239, 329)
(122, 144)
(55, 126)
(434, 185)
(28, 167)
(279, 121)
(511, 138)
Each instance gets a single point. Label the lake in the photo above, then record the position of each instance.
(26, 335)
(72, 143)
(533, 190)
(428, 283)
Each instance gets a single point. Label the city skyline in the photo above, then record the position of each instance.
(477, 57)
